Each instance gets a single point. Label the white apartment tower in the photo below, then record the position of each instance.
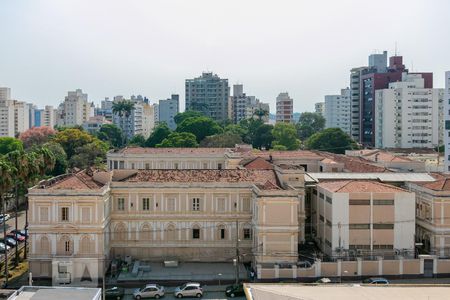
(6, 113)
(447, 121)
(285, 108)
(408, 115)
(337, 111)
(75, 109)
(246, 107)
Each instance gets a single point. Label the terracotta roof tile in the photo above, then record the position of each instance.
(442, 182)
(258, 163)
(141, 150)
(359, 186)
(355, 164)
(77, 181)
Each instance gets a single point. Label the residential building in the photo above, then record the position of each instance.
(167, 110)
(45, 117)
(285, 108)
(319, 108)
(408, 115)
(132, 123)
(93, 125)
(5, 93)
(7, 117)
(352, 216)
(208, 94)
(378, 61)
(447, 121)
(148, 119)
(433, 214)
(21, 117)
(75, 109)
(105, 109)
(355, 87)
(156, 112)
(338, 111)
(246, 107)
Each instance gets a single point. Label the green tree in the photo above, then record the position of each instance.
(159, 133)
(9, 144)
(308, 124)
(112, 134)
(180, 117)
(331, 140)
(179, 140)
(285, 137)
(201, 127)
(263, 137)
(71, 139)
(137, 140)
(261, 113)
(250, 126)
(221, 140)
(91, 154)
(60, 155)
(235, 129)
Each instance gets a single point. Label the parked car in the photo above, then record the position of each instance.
(5, 217)
(304, 264)
(21, 232)
(190, 289)
(235, 290)
(376, 280)
(114, 293)
(9, 241)
(4, 248)
(149, 291)
(16, 236)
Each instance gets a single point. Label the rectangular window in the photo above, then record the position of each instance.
(383, 202)
(383, 246)
(64, 214)
(247, 233)
(120, 203)
(221, 204)
(328, 199)
(85, 215)
(321, 196)
(147, 166)
(359, 202)
(171, 204)
(132, 166)
(383, 226)
(205, 166)
(219, 166)
(195, 233)
(246, 204)
(43, 214)
(359, 226)
(145, 203)
(195, 204)
(222, 233)
(67, 246)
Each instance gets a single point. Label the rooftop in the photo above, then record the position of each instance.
(359, 186)
(288, 154)
(442, 183)
(141, 150)
(354, 163)
(263, 178)
(55, 293)
(82, 180)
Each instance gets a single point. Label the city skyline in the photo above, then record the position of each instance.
(146, 48)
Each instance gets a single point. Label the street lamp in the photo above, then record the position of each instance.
(220, 274)
(235, 263)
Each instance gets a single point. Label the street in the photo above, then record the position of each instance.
(211, 294)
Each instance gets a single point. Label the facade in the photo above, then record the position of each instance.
(139, 121)
(285, 108)
(93, 125)
(408, 115)
(246, 107)
(75, 109)
(447, 122)
(338, 111)
(105, 109)
(148, 119)
(208, 94)
(45, 117)
(7, 117)
(167, 110)
(21, 116)
(319, 108)
(378, 61)
(355, 86)
(352, 217)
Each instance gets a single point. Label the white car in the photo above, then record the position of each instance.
(149, 291)
(190, 289)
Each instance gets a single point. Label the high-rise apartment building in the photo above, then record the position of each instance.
(285, 108)
(378, 61)
(338, 111)
(21, 116)
(447, 121)
(75, 109)
(408, 115)
(319, 108)
(168, 109)
(141, 119)
(246, 107)
(209, 95)
(148, 119)
(45, 117)
(355, 96)
(14, 115)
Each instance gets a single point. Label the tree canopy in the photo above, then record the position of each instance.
(60, 155)
(201, 127)
(331, 140)
(285, 137)
(308, 124)
(112, 134)
(178, 140)
(90, 154)
(137, 140)
(159, 133)
(36, 136)
(263, 137)
(71, 139)
(9, 144)
(221, 140)
(180, 117)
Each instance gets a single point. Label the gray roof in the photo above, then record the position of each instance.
(384, 177)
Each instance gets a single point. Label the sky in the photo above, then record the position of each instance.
(149, 47)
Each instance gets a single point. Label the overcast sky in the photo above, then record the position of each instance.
(148, 47)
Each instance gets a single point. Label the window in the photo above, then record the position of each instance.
(145, 203)
(67, 246)
(205, 165)
(195, 204)
(43, 214)
(222, 233)
(383, 202)
(359, 202)
(120, 203)
(85, 215)
(247, 233)
(321, 196)
(359, 226)
(147, 166)
(221, 204)
(132, 166)
(246, 204)
(219, 166)
(328, 199)
(175, 165)
(383, 226)
(64, 214)
(196, 233)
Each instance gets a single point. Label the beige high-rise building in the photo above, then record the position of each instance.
(75, 109)
(7, 114)
(285, 108)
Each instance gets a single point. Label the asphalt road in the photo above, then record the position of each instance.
(11, 223)
(169, 295)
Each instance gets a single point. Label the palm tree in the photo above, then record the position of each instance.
(260, 113)
(6, 183)
(124, 108)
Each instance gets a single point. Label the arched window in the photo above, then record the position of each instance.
(170, 232)
(146, 233)
(65, 245)
(85, 245)
(120, 232)
(44, 245)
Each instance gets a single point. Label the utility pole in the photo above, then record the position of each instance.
(237, 252)
(6, 245)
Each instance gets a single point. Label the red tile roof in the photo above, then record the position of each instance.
(359, 186)
(442, 183)
(355, 164)
(141, 150)
(261, 177)
(382, 156)
(288, 154)
(258, 163)
(77, 181)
